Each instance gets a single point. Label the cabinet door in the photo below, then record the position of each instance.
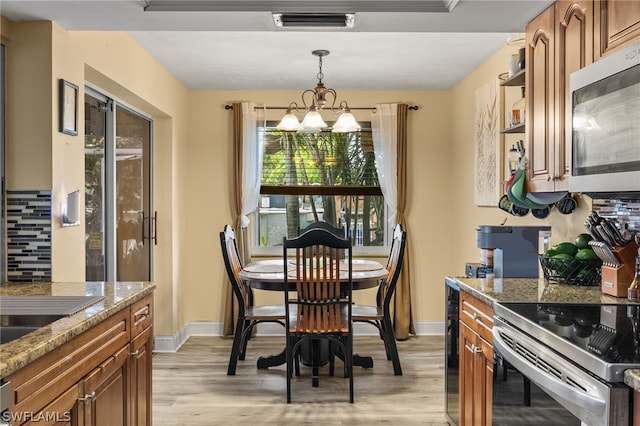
(107, 391)
(467, 341)
(574, 50)
(141, 355)
(484, 377)
(67, 410)
(540, 131)
(616, 24)
(476, 378)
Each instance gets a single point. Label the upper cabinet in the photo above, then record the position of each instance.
(566, 37)
(559, 42)
(617, 23)
(539, 93)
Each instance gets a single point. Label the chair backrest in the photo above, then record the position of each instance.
(340, 232)
(233, 264)
(394, 266)
(321, 292)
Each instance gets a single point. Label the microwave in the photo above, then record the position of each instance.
(604, 135)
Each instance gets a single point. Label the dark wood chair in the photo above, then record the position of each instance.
(340, 232)
(380, 315)
(248, 314)
(322, 307)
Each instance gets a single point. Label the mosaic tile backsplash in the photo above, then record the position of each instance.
(625, 212)
(29, 236)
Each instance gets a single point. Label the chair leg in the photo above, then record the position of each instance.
(390, 343)
(383, 335)
(289, 355)
(248, 331)
(235, 349)
(332, 357)
(349, 365)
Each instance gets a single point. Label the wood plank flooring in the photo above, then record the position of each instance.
(191, 387)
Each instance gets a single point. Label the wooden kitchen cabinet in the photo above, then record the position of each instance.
(617, 22)
(476, 361)
(101, 377)
(141, 356)
(559, 41)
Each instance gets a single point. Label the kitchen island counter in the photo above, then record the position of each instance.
(18, 353)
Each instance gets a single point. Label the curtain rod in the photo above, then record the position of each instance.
(411, 107)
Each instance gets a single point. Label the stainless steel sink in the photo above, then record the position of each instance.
(20, 315)
(45, 305)
(15, 326)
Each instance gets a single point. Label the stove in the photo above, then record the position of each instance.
(603, 339)
(576, 353)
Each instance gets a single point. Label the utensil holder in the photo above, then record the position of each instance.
(616, 280)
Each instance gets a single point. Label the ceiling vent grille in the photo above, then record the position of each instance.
(315, 20)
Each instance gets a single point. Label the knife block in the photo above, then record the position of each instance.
(616, 281)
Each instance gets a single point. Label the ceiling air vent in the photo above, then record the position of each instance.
(306, 20)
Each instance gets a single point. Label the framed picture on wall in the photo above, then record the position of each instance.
(68, 108)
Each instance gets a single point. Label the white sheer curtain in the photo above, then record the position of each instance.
(251, 160)
(384, 129)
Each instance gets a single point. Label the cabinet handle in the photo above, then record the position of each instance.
(141, 315)
(136, 353)
(475, 316)
(474, 349)
(88, 398)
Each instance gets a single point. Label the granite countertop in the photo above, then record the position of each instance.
(531, 290)
(20, 352)
(524, 290)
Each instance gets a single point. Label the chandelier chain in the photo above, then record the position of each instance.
(320, 74)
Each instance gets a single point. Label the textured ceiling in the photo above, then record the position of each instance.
(403, 48)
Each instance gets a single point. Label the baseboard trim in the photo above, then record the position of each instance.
(211, 328)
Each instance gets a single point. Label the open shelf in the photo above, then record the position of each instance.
(518, 128)
(514, 80)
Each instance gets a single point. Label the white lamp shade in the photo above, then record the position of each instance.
(346, 123)
(289, 123)
(313, 121)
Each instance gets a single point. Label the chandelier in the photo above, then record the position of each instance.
(313, 102)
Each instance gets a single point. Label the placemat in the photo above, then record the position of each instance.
(265, 268)
(361, 265)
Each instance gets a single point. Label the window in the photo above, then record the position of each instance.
(307, 177)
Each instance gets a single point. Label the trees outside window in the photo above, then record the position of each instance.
(325, 176)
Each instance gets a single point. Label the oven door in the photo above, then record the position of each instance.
(578, 397)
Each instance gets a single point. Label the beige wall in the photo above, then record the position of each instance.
(193, 165)
(464, 213)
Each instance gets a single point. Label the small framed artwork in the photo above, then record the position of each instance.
(68, 108)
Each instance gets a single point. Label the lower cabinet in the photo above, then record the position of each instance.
(476, 361)
(101, 377)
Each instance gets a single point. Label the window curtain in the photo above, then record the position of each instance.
(247, 157)
(389, 130)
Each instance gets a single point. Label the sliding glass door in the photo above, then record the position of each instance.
(119, 224)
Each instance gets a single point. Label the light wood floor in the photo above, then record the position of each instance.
(191, 387)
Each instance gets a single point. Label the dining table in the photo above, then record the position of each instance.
(268, 274)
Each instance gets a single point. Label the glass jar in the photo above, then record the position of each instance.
(517, 114)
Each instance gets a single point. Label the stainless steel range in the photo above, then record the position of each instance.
(575, 353)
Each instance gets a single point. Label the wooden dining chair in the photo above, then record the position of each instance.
(322, 307)
(380, 315)
(248, 315)
(340, 232)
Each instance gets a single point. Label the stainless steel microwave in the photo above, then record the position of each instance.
(604, 103)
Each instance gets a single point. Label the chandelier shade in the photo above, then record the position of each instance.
(313, 101)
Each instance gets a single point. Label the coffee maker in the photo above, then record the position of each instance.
(515, 248)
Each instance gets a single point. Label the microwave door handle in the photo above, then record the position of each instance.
(564, 391)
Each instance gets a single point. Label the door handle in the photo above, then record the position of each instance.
(154, 222)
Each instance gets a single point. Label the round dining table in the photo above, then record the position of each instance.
(268, 274)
